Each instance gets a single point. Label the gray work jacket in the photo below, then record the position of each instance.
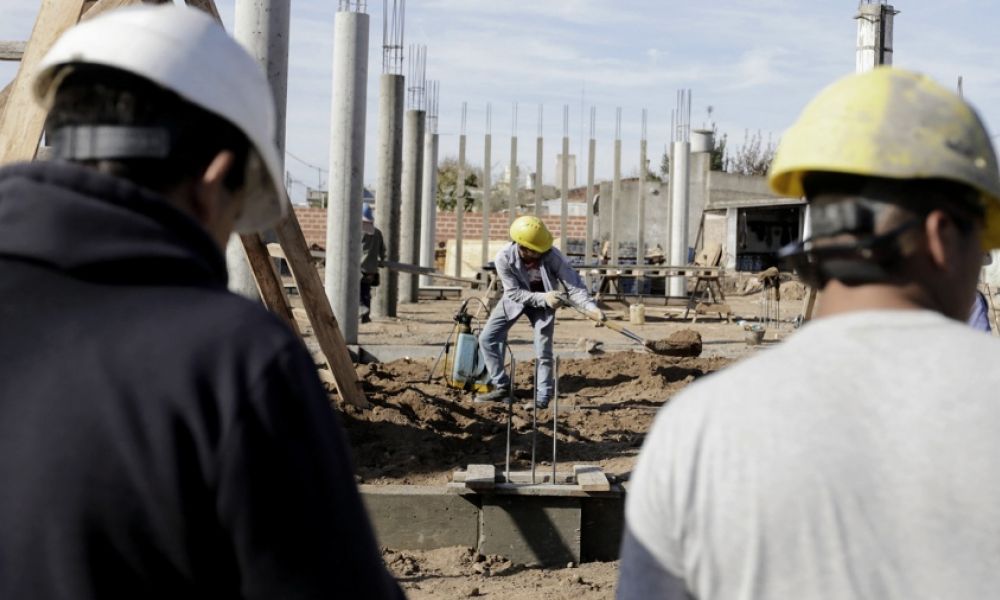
(554, 267)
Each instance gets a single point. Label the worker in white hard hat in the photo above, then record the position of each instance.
(159, 435)
(870, 469)
(537, 279)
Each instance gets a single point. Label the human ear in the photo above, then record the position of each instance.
(210, 187)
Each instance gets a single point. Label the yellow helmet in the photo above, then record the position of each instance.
(895, 124)
(531, 233)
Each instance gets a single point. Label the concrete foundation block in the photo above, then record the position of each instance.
(531, 530)
(603, 522)
(410, 517)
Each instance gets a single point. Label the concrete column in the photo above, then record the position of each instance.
(679, 216)
(616, 191)
(875, 24)
(261, 26)
(588, 253)
(460, 206)
(387, 188)
(539, 164)
(512, 199)
(564, 184)
(347, 169)
(409, 221)
(640, 242)
(487, 208)
(428, 205)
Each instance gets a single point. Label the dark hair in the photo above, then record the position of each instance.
(100, 95)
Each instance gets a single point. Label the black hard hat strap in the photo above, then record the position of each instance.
(110, 142)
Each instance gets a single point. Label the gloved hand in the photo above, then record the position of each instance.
(552, 299)
(598, 314)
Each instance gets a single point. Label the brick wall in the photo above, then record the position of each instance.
(313, 223)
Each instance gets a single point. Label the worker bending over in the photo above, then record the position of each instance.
(872, 470)
(531, 272)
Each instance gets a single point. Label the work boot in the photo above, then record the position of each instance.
(541, 404)
(500, 394)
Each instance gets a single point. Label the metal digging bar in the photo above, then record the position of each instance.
(510, 411)
(534, 423)
(555, 417)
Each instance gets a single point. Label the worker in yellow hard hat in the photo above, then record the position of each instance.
(874, 461)
(532, 273)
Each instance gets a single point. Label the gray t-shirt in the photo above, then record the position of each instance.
(859, 459)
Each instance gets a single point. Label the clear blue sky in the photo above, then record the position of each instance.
(756, 62)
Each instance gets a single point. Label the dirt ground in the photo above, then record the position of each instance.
(461, 573)
(419, 431)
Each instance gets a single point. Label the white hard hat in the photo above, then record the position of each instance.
(185, 51)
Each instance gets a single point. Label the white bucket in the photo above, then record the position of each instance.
(637, 314)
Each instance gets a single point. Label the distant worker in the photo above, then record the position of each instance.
(372, 257)
(979, 315)
(531, 272)
(160, 437)
(871, 470)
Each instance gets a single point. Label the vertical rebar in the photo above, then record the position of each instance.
(555, 417)
(534, 423)
(392, 36)
(510, 411)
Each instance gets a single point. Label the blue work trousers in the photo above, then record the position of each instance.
(493, 340)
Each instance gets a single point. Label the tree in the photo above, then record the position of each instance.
(719, 158)
(753, 157)
(665, 165)
(447, 185)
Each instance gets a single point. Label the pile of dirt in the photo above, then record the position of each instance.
(462, 573)
(419, 432)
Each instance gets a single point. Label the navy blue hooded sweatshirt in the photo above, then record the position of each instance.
(160, 437)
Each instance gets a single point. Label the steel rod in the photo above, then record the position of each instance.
(555, 418)
(534, 423)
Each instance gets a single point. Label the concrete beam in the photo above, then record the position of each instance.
(12, 50)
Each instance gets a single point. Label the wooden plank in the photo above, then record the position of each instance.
(22, 119)
(480, 477)
(591, 478)
(4, 93)
(317, 305)
(12, 50)
(93, 9)
(207, 6)
(268, 283)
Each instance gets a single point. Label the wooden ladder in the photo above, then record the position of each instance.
(21, 124)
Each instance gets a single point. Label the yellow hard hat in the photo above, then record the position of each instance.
(895, 124)
(531, 233)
